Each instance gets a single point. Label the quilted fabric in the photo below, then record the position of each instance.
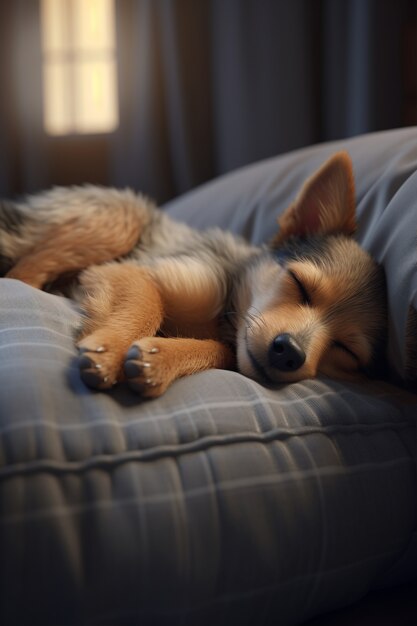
(222, 502)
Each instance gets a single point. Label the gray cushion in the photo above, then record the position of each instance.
(221, 502)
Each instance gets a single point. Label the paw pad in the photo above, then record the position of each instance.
(93, 374)
(141, 370)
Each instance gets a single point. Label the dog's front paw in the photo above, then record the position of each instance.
(99, 365)
(146, 368)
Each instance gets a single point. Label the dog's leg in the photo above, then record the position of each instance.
(153, 363)
(77, 244)
(122, 303)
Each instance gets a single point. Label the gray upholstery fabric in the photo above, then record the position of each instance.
(223, 502)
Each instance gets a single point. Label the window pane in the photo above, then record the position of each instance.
(96, 103)
(57, 102)
(80, 85)
(93, 25)
(55, 25)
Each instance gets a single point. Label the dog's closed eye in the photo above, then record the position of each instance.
(341, 346)
(305, 296)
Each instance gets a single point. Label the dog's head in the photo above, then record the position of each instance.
(315, 301)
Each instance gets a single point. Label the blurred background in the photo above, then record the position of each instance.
(162, 95)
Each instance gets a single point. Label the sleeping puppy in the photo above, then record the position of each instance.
(162, 300)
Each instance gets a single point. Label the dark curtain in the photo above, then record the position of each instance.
(206, 86)
(23, 166)
(165, 143)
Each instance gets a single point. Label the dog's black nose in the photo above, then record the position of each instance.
(285, 354)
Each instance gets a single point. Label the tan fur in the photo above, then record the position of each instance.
(75, 244)
(163, 360)
(316, 326)
(190, 291)
(326, 290)
(326, 198)
(159, 314)
(123, 304)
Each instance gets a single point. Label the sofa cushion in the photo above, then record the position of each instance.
(222, 502)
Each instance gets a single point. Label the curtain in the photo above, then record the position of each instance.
(22, 148)
(206, 86)
(165, 142)
(209, 86)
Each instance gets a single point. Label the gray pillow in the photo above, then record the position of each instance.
(220, 503)
(249, 200)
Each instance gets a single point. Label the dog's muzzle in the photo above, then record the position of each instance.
(285, 354)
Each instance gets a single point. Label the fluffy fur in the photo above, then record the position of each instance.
(162, 300)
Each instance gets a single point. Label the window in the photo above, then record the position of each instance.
(79, 66)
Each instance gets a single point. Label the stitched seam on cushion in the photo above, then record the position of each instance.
(222, 486)
(160, 452)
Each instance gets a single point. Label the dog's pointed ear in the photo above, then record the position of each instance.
(325, 204)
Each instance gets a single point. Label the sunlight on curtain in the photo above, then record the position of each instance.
(79, 67)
